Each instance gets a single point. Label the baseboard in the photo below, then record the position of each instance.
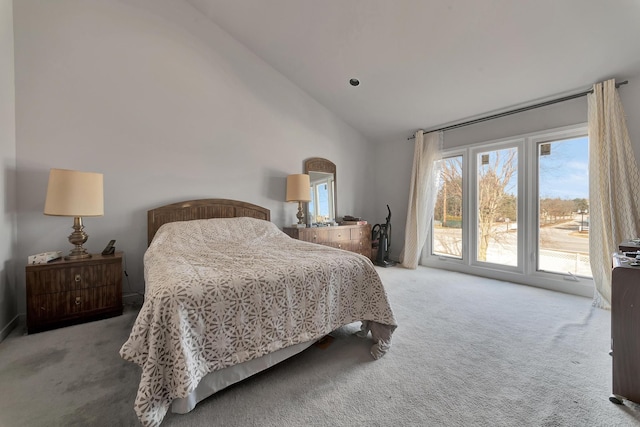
(10, 327)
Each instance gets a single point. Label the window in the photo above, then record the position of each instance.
(447, 216)
(516, 209)
(497, 206)
(563, 206)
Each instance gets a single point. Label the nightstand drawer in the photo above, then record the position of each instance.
(54, 306)
(52, 280)
(51, 307)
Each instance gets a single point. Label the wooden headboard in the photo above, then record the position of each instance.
(201, 209)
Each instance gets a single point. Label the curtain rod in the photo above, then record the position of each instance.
(517, 110)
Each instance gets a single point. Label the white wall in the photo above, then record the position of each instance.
(394, 160)
(168, 107)
(7, 176)
(630, 96)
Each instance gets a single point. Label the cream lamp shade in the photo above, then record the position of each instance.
(299, 190)
(75, 194)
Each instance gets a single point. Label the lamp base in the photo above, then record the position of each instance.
(300, 215)
(78, 238)
(82, 255)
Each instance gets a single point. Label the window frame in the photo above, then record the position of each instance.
(526, 272)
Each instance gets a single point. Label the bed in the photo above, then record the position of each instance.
(228, 294)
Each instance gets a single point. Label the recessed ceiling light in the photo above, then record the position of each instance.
(354, 82)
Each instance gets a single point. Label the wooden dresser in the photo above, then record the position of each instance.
(354, 238)
(625, 332)
(62, 293)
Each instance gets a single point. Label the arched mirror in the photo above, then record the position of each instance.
(322, 174)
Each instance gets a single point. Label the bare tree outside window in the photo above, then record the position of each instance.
(497, 206)
(544, 229)
(448, 209)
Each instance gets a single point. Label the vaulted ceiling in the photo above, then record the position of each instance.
(426, 63)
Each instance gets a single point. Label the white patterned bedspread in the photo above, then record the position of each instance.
(223, 291)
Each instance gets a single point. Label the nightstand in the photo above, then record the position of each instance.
(66, 292)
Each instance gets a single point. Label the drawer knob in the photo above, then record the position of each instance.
(78, 278)
(78, 301)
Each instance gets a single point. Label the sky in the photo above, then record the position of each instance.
(565, 172)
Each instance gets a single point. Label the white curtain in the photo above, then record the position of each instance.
(422, 195)
(613, 186)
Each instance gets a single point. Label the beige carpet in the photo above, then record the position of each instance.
(467, 352)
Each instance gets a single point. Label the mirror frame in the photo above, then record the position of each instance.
(318, 164)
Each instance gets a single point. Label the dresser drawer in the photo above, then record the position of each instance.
(360, 233)
(339, 234)
(354, 238)
(313, 235)
(345, 245)
(362, 246)
(319, 235)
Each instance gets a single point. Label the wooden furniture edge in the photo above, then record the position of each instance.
(202, 209)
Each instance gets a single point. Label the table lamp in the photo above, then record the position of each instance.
(75, 194)
(299, 190)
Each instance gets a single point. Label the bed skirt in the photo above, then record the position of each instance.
(218, 380)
